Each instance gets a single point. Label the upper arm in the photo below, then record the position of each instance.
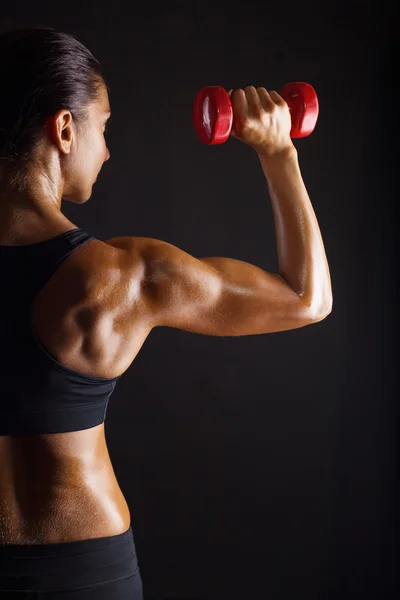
(212, 296)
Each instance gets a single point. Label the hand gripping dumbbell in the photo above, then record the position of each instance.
(213, 114)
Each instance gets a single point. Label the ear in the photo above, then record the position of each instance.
(59, 127)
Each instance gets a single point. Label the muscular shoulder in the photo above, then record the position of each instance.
(95, 297)
(102, 267)
(105, 275)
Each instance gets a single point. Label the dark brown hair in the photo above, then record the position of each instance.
(41, 71)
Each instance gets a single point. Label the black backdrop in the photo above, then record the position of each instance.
(261, 466)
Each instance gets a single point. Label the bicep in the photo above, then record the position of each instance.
(216, 295)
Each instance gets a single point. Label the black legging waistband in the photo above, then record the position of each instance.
(68, 565)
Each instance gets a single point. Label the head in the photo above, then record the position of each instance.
(54, 107)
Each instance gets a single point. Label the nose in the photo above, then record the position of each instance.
(108, 155)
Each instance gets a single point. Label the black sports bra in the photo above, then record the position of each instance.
(37, 393)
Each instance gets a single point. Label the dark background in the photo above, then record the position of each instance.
(262, 466)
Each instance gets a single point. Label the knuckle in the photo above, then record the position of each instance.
(243, 126)
(271, 107)
(245, 121)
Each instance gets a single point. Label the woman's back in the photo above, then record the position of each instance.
(58, 487)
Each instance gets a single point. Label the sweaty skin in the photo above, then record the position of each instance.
(62, 487)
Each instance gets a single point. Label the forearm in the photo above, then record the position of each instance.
(301, 253)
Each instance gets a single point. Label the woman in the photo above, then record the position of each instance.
(75, 311)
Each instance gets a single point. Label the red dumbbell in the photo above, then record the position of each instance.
(213, 114)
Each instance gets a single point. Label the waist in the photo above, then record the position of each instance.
(58, 500)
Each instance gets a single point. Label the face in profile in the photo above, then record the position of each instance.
(87, 151)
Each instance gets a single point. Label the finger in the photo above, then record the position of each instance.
(266, 100)
(277, 98)
(239, 104)
(240, 109)
(252, 97)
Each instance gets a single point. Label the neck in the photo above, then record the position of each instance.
(30, 187)
(32, 199)
(22, 224)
